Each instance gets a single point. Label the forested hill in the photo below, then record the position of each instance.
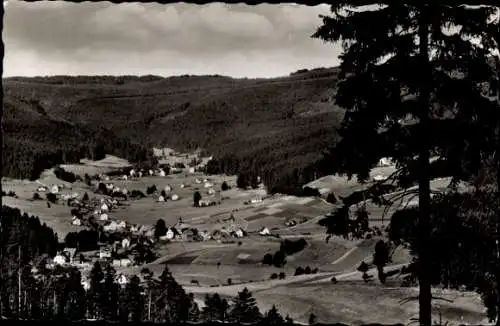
(277, 124)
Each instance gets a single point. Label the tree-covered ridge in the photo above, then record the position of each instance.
(277, 124)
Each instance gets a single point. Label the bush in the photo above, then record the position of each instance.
(274, 276)
(151, 190)
(224, 186)
(229, 281)
(314, 271)
(331, 198)
(137, 194)
(85, 197)
(282, 276)
(36, 196)
(334, 280)
(101, 188)
(290, 247)
(240, 243)
(51, 198)
(268, 259)
(299, 271)
(307, 270)
(12, 194)
(64, 175)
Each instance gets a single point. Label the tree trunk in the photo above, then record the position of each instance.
(425, 295)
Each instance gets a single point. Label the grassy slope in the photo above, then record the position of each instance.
(291, 118)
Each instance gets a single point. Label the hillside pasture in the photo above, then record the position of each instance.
(86, 166)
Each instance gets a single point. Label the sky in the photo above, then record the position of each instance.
(64, 38)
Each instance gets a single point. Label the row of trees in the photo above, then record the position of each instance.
(414, 85)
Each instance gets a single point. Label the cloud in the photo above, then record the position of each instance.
(104, 38)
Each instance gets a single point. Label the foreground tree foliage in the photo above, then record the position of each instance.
(410, 87)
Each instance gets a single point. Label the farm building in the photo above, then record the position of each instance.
(125, 243)
(182, 185)
(191, 170)
(104, 253)
(54, 189)
(104, 207)
(132, 173)
(379, 177)
(162, 173)
(168, 188)
(161, 199)
(211, 191)
(208, 185)
(124, 177)
(85, 284)
(103, 217)
(265, 231)
(76, 221)
(175, 197)
(140, 174)
(122, 280)
(59, 259)
(150, 172)
(256, 200)
(385, 161)
(42, 189)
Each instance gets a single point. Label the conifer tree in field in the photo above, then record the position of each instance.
(132, 301)
(244, 308)
(409, 82)
(273, 317)
(109, 297)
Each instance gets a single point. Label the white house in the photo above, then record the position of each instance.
(41, 189)
(124, 177)
(198, 181)
(379, 177)
(124, 191)
(168, 188)
(134, 228)
(59, 260)
(104, 217)
(54, 189)
(106, 178)
(121, 225)
(140, 174)
(104, 207)
(239, 233)
(116, 263)
(125, 262)
(205, 202)
(150, 172)
(162, 173)
(126, 243)
(191, 170)
(256, 200)
(265, 231)
(211, 191)
(208, 185)
(170, 234)
(110, 227)
(205, 235)
(104, 254)
(109, 186)
(132, 173)
(85, 283)
(384, 161)
(175, 197)
(161, 199)
(182, 185)
(76, 221)
(122, 280)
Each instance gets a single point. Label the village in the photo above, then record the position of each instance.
(125, 244)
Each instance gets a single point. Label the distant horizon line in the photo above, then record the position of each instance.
(171, 76)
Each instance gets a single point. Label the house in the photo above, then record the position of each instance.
(191, 170)
(175, 197)
(103, 217)
(54, 189)
(124, 177)
(76, 221)
(134, 228)
(126, 243)
(132, 173)
(110, 227)
(150, 172)
(198, 181)
(256, 200)
(116, 263)
(205, 235)
(379, 177)
(211, 191)
(124, 191)
(204, 202)
(150, 233)
(41, 189)
(239, 233)
(170, 234)
(162, 173)
(104, 207)
(104, 254)
(208, 185)
(125, 262)
(168, 188)
(85, 283)
(182, 185)
(109, 186)
(59, 259)
(161, 199)
(265, 231)
(122, 280)
(384, 161)
(106, 178)
(121, 225)
(140, 174)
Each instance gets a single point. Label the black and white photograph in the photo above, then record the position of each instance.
(251, 164)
